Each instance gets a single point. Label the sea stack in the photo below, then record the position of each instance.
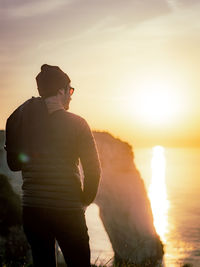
(124, 206)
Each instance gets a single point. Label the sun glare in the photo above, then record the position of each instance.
(156, 102)
(155, 106)
(158, 193)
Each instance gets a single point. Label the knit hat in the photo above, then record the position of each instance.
(50, 80)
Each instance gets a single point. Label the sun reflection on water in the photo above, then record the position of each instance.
(158, 193)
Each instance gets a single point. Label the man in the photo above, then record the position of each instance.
(46, 142)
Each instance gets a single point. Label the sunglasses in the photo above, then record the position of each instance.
(71, 90)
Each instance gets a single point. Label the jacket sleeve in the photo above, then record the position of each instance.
(90, 163)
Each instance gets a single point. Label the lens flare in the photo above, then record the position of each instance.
(23, 158)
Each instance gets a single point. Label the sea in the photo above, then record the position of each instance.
(172, 180)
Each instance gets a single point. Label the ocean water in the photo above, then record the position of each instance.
(172, 179)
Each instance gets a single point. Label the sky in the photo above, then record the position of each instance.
(134, 64)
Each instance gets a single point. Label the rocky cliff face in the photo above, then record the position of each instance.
(124, 206)
(122, 199)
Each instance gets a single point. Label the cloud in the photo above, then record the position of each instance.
(30, 22)
(36, 29)
(180, 4)
(186, 3)
(172, 4)
(30, 8)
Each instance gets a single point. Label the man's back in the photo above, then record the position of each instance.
(51, 176)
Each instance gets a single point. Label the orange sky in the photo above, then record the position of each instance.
(134, 64)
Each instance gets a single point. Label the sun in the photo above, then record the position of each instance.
(155, 106)
(156, 102)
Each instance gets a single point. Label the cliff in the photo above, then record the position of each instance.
(124, 206)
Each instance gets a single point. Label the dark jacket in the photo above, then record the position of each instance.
(47, 148)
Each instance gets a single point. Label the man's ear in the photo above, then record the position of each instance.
(61, 91)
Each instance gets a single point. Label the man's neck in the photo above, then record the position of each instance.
(53, 103)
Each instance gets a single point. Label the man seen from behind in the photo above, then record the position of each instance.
(46, 142)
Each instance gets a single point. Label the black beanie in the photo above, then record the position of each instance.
(50, 80)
